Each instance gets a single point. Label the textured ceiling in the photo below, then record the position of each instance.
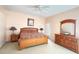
(44, 11)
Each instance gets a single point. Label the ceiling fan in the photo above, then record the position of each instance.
(39, 7)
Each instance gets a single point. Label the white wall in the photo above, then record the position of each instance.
(19, 20)
(55, 21)
(2, 29)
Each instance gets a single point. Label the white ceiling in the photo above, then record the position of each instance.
(45, 11)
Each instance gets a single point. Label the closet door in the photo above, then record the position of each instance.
(2, 29)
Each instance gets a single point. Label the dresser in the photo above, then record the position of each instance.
(69, 41)
(67, 38)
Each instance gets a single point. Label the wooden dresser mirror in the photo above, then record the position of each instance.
(68, 26)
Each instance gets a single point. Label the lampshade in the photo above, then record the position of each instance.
(41, 29)
(13, 28)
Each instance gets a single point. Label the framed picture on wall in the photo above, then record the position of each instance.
(30, 22)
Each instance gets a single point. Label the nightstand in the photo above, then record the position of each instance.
(14, 37)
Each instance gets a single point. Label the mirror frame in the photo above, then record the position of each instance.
(68, 21)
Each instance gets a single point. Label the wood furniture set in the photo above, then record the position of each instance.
(31, 37)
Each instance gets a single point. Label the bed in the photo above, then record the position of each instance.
(31, 37)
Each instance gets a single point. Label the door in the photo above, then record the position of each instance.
(2, 29)
(48, 30)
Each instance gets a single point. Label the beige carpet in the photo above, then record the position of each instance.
(50, 48)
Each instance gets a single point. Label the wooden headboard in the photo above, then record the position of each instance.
(29, 30)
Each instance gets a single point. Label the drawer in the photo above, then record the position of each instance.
(71, 45)
(57, 38)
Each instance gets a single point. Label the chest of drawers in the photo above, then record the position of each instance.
(69, 42)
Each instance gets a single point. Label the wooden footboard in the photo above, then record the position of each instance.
(24, 43)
